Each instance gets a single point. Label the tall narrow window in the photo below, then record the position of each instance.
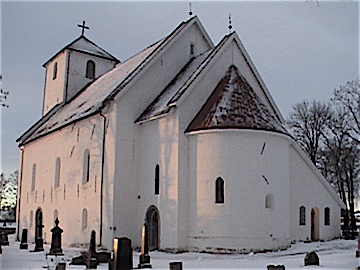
(157, 180)
(302, 217)
(84, 219)
(55, 71)
(33, 177)
(86, 166)
(31, 219)
(327, 216)
(90, 69)
(269, 201)
(192, 48)
(57, 173)
(219, 190)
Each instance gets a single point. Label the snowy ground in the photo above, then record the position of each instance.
(336, 254)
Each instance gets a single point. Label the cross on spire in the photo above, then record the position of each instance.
(83, 26)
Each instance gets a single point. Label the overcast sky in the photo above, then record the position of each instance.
(302, 49)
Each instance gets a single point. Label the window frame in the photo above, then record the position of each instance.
(219, 190)
(302, 215)
(90, 69)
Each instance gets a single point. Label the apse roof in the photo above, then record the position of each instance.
(234, 104)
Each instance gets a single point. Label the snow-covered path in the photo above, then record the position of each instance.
(337, 254)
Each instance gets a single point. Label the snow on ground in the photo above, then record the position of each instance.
(336, 254)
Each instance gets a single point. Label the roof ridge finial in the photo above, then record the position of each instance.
(230, 25)
(190, 12)
(83, 26)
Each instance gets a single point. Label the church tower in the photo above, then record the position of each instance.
(72, 68)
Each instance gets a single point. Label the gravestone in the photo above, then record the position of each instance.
(24, 236)
(39, 244)
(175, 265)
(56, 239)
(144, 258)
(4, 240)
(91, 258)
(311, 258)
(275, 267)
(358, 249)
(123, 257)
(61, 266)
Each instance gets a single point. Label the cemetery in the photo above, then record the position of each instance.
(335, 254)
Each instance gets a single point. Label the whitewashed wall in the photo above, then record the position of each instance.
(72, 196)
(308, 189)
(77, 70)
(242, 222)
(131, 103)
(54, 90)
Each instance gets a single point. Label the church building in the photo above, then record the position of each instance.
(184, 136)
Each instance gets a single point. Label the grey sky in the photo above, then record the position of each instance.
(301, 50)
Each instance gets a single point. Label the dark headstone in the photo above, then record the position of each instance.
(56, 239)
(275, 267)
(4, 240)
(358, 249)
(144, 258)
(175, 265)
(123, 259)
(91, 258)
(39, 244)
(311, 258)
(61, 266)
(24, 236)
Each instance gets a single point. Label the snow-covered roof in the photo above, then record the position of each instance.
(234, 104)
(93, 97)
(177, 87)
(85, 45)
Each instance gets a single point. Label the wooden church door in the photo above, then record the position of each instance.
(314, 224)
(153, 226)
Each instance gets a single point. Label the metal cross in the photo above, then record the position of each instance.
(83, 27)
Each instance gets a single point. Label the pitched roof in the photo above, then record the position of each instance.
(234, 104)
(85, 45)
(177, 87)
(94, 96)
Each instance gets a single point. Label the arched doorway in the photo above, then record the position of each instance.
(39, 230)
(314, 224)
(153, 226)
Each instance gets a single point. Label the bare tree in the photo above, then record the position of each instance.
(8, 191)
(3, 95)
(307, 123)
(348, 97)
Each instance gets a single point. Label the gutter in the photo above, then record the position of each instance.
(19, 194)
(102, 178)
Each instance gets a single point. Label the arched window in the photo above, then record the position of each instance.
(33, 177)
(269, 201)
(327, 216)
(55, 71)
(302, 217)
(90, 69)
(86, 166)
(219, 190)
(31, 219)
(157, 180)
(57, 173)
(56, 215)
(84, 219)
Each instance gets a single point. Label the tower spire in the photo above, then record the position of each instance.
(190, 11)
(230, 25)
(83, 26)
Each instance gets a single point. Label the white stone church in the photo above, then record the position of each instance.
(183, 135)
